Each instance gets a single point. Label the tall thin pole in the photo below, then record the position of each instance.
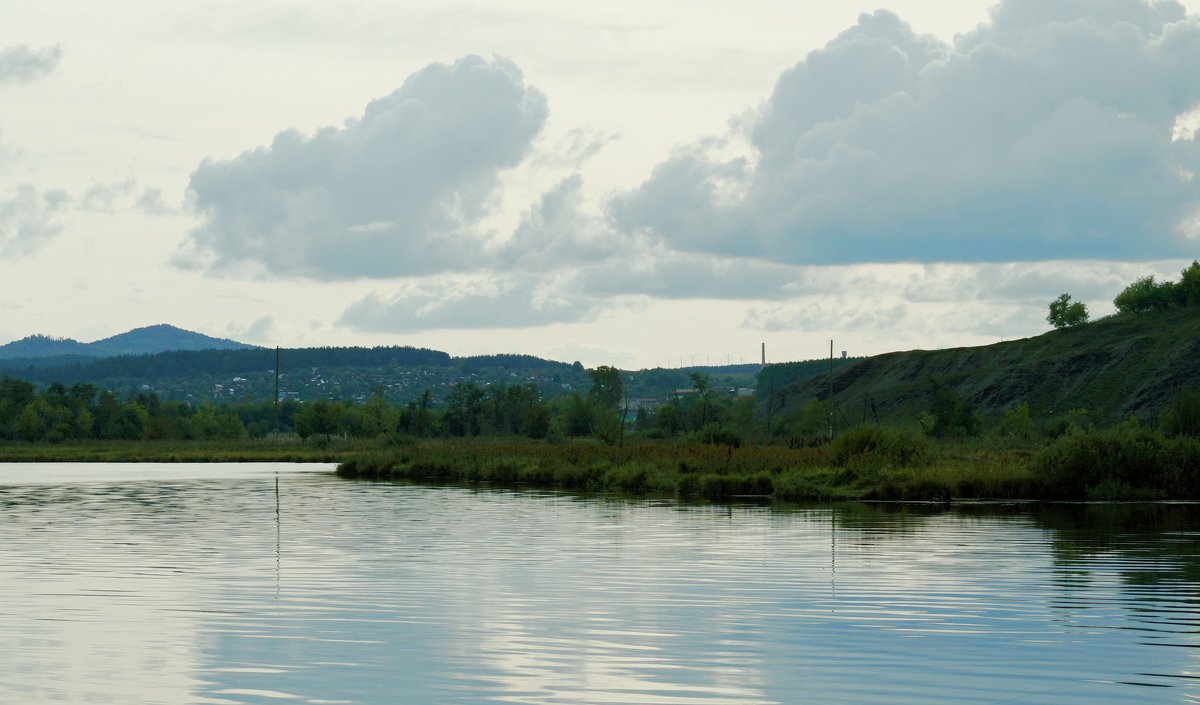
(276, 393)
(830, 400)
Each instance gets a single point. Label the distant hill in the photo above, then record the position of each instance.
(42, 346)
(1130, 364)
(140, 341)
(162, 338)
(402, 374)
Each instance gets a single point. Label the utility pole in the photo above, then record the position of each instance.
(276, 394)
(830, 400)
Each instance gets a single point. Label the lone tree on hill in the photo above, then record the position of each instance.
(1065, 313)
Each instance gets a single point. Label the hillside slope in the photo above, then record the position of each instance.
(139, 341)
(35, 346)
(161, 338)
(1115, 367)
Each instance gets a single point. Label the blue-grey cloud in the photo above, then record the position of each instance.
(398, 191)
(151, 203)
(564, 264)
(1048, 133)
(21, 64)
(104, 198)
(258, 332)
(502, 301)
(29, 219)
(8, 153)
(559, 235)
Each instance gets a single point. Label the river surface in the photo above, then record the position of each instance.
(267, 583)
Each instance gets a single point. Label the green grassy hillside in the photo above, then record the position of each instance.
(1116, 367)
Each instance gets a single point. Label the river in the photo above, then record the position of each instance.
(272, 583)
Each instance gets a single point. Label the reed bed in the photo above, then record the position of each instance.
(695, 470)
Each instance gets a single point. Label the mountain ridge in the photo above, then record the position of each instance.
(151, 339)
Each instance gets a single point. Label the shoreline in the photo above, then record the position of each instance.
(959, 470)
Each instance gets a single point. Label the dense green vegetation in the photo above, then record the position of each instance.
(1145, 294)
(1129, 364)
(400, 374)
(282, 450)
(892, 466)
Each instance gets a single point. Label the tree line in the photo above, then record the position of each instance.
(1142, 296)
(82, 411)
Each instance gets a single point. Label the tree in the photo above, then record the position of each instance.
(578, 416)
(536, 423)
(1189, 285)
(1140, 297)
(464, 410)
(607, 387)
(1018, 421)
(209, 423)
(1065, 313)
(949, 414)
(701, 383)
(322, 418)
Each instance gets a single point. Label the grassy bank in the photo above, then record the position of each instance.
(696, 470)
(864, 463)
(239, 451)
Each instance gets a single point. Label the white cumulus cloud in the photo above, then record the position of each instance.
(400, 190)
(1048, 133)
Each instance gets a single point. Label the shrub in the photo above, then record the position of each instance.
(1140, 297)
(1018, 422)
(714, 435)
(1070, 422)
(1182, 415)
(1123, 462)
(896, 445)
(950, 414)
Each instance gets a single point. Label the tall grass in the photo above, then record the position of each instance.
(872, 465)
(228, 451)
(1124, 462)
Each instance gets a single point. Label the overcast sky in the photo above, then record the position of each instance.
(627, 183)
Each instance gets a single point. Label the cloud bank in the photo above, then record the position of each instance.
(1049, 133)
(20, 64)
(398, 191)
(1060, 133)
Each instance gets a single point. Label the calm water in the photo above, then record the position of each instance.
(206, 584)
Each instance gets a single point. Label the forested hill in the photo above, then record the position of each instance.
(140, 341)
(142, 369)
(1130, 364)
(401, 374)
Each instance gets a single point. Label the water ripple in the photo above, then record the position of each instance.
(204, 585)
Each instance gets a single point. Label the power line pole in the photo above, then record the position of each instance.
(830, 399)
(276, 394)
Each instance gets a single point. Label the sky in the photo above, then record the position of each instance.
(624, 183)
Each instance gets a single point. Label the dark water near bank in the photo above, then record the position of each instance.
(201, 584)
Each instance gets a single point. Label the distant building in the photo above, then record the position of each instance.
(645, 403)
